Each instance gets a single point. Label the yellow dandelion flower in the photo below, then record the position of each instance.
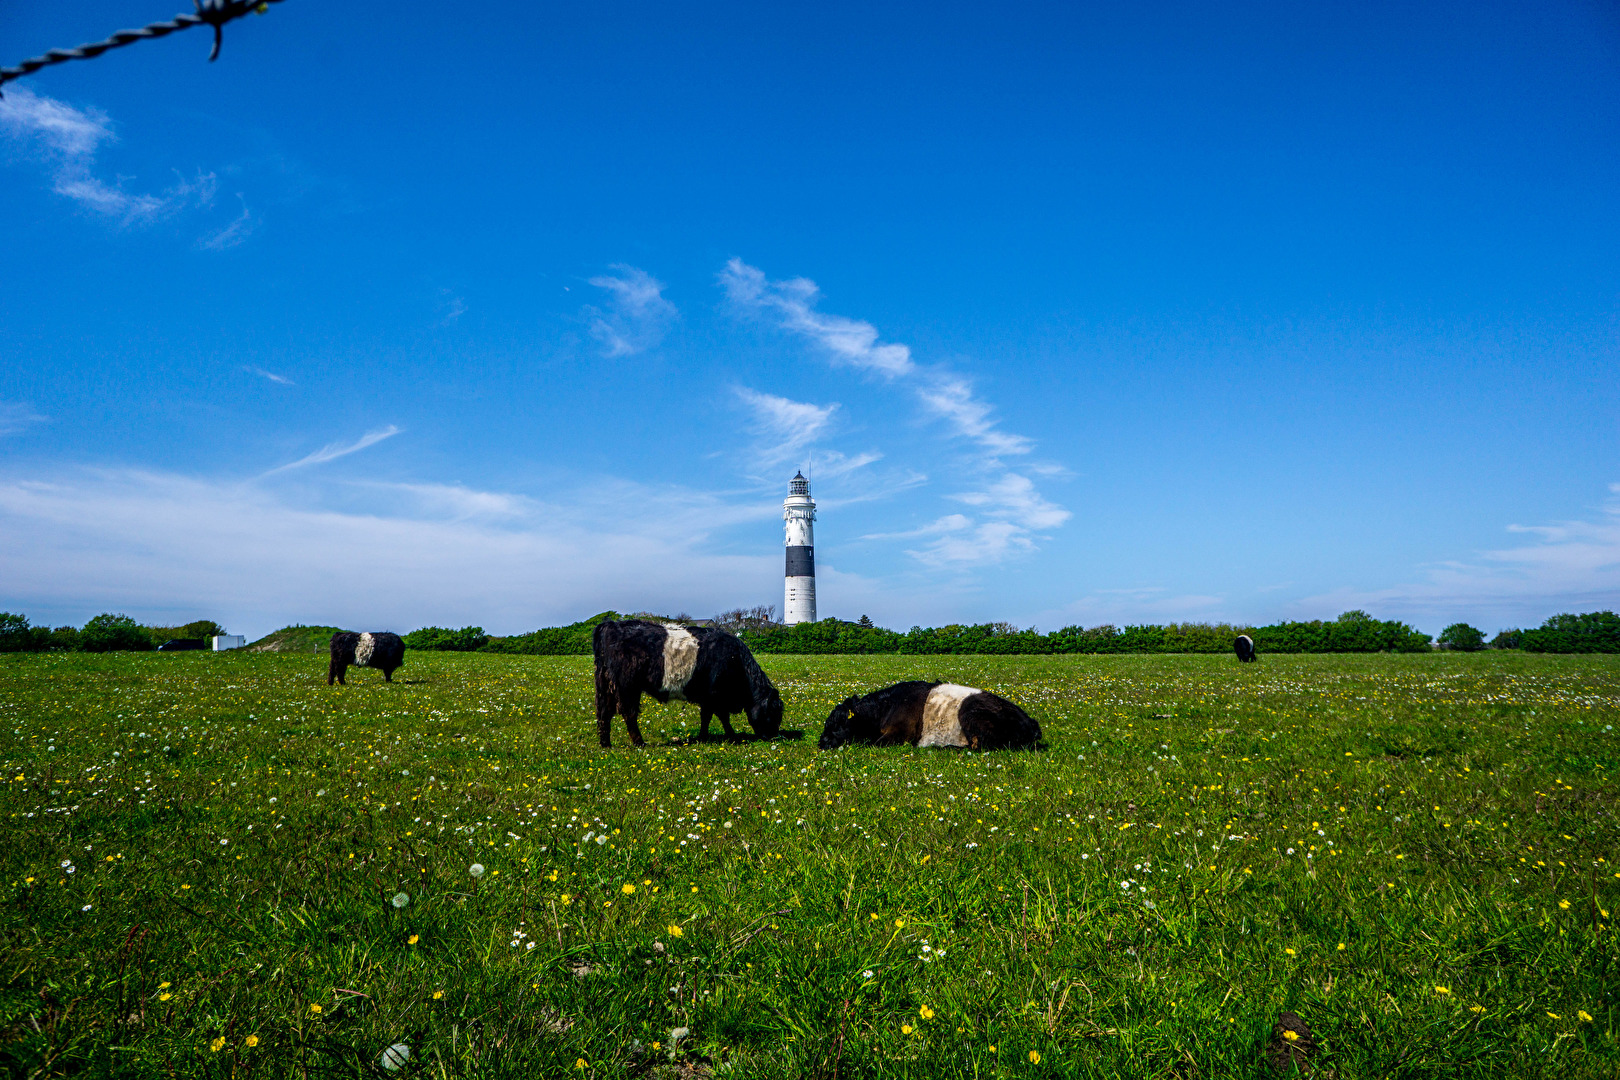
(580, 1064)
(926, 1013)
(899, 924)
(315, 1010)
(676, 931)
(251, 1041)
(627, 888)
(1553, 1016)
(1442, 990)
(1290, 952)
(413, 939)
(438, 994)
(1341, 946)
(1034, 1057)
(1563, 905)
(217, 1045)
(992, 1048)
(164, 985)
(906, 1029)
(165, 997)
(567, 898)
(1586, 1017)
(1476, 1008)
(1291, 1036)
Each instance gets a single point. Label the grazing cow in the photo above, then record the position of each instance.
(931, 714)
(710, 668)
(383, 650)
(1245, 648)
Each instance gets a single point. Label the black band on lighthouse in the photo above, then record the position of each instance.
(801, 561)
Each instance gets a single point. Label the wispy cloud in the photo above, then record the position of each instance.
(333, 451)
(636, 316)
(785, 427)
(1013, 497)
(16, 416)
(232, 234)
(275, 554)
(1569, 566)
(1011, 512)
(849, 341)
(451, 307)
(69, 139)
(272, 376)
(951, 397)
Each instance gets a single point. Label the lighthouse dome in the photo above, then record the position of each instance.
(798, 485)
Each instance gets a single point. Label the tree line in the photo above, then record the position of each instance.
(106, 632)
(1352, 632)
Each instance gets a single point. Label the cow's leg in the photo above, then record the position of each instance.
(388, 674)
(703, 726)
(607, 699)
(725, 722)
(632, 712)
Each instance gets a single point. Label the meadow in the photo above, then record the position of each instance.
(217, 866)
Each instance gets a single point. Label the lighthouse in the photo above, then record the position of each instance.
(799, 514)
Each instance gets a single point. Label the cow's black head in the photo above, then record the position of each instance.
(840, 725)
(766, 716)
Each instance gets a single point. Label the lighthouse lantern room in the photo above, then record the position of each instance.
(799, 515)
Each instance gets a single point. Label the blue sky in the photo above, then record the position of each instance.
(1079, 313)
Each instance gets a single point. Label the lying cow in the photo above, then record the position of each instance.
(710, 668)
(1245, 648)
(931, 714)
(383, 651)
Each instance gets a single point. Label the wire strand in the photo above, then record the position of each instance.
(215, 13)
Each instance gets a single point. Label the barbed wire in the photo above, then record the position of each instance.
(215, 13)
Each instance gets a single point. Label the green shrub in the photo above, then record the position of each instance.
(1462, 637)
(1507, 639)
(437, 638)
(202, 628)
(571, 640)
(114, 633)
(63, 639)
(17, 636)
(1594, 632)
(1354, 631)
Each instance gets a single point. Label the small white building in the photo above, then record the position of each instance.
(799, 514)
(229, 641)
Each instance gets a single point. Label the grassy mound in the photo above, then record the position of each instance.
(296, 639)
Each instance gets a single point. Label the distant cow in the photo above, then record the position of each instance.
(383, 651)
(931, 714)
(710, 668)
(1245, 648)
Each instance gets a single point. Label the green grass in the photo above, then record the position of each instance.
(1203, 845)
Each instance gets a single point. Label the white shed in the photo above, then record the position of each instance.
(229, 641)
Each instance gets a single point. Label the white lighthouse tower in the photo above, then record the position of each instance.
(799, 512)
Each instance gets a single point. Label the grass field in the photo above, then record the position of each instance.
(215, 865)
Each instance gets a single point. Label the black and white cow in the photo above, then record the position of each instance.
(931, 714)
(1245, 648)
(383, 651)
(710, 668)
